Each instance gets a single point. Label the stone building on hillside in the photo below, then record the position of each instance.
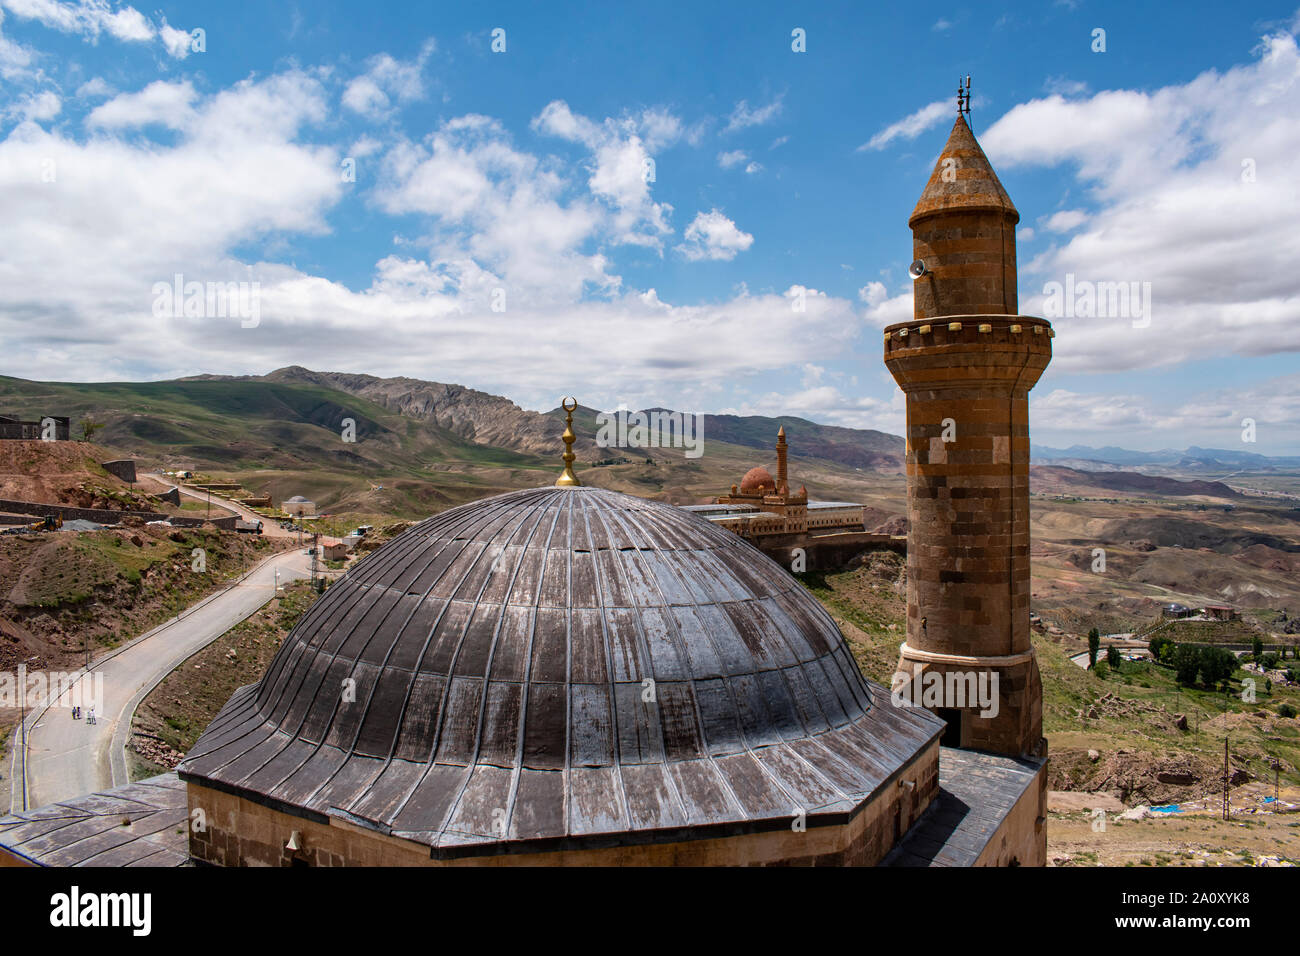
(762, 506)
(56, 427)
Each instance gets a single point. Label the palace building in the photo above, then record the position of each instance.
(762, 506)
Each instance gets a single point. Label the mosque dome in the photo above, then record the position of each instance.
(557, 668)
(756, 480)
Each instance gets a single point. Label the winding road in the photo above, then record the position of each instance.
(68, 758)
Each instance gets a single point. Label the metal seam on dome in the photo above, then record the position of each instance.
(490, 513)
(486, 521)
(392, 750)
(521, 733)
(616, 745)
(679, 650)
(436, 742)
(707, 754)
(473, 764)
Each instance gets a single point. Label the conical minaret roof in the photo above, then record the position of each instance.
(974, 185)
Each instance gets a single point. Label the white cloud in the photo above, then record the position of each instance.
(1169, 172)
(96, 86)
(1214, 416)
(873, 293)
(167, 104)
(36, 107)
(742, 117)
(941, 25)
(178, 43)
(15, 59)
(622, 167)
(1067, 220)
(1065, 86)
(753, 168)
(911, 126)
(831, 406)
(711, 235)
(387, 81)
(732, 158)
(92, 18)
(882, 309)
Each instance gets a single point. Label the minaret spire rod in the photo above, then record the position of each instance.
(963, 98)
(567, 478)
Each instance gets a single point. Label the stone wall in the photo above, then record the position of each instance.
(123, 468)
(1021, 839)
(243, 833)
(967, 380)
(105, 516)
(827, 552)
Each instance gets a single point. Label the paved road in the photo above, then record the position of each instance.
(68, 758)
(270, 528)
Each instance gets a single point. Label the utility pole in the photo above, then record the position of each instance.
(1227, 777)
(22, 723)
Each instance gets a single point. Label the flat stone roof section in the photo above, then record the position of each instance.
(976, 792)
(89, 830)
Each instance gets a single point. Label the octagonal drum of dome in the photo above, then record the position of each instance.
(561, 668)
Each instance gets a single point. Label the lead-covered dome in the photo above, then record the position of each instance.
(555, 666)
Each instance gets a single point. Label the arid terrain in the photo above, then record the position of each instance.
(1110, 547)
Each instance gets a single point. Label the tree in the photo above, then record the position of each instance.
(89, 427)
(1187, 663)
(1094, 645)
(1161, 647)
(1113, 657)
(1217, 665)
(1257, 646)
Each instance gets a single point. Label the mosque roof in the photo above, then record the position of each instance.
(556, 668)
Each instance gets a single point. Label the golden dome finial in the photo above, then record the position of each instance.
(567, 478)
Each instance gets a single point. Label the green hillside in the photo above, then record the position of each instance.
(285, 438)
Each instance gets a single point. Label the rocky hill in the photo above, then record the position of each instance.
(493, 420)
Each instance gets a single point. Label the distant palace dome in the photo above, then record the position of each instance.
(757, 480)
(556, 668)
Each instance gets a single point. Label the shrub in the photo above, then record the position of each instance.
(1286, 710)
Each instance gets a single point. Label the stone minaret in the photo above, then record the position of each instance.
(782, 484)
(966, 363)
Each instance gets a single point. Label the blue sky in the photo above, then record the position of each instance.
(516, 179)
